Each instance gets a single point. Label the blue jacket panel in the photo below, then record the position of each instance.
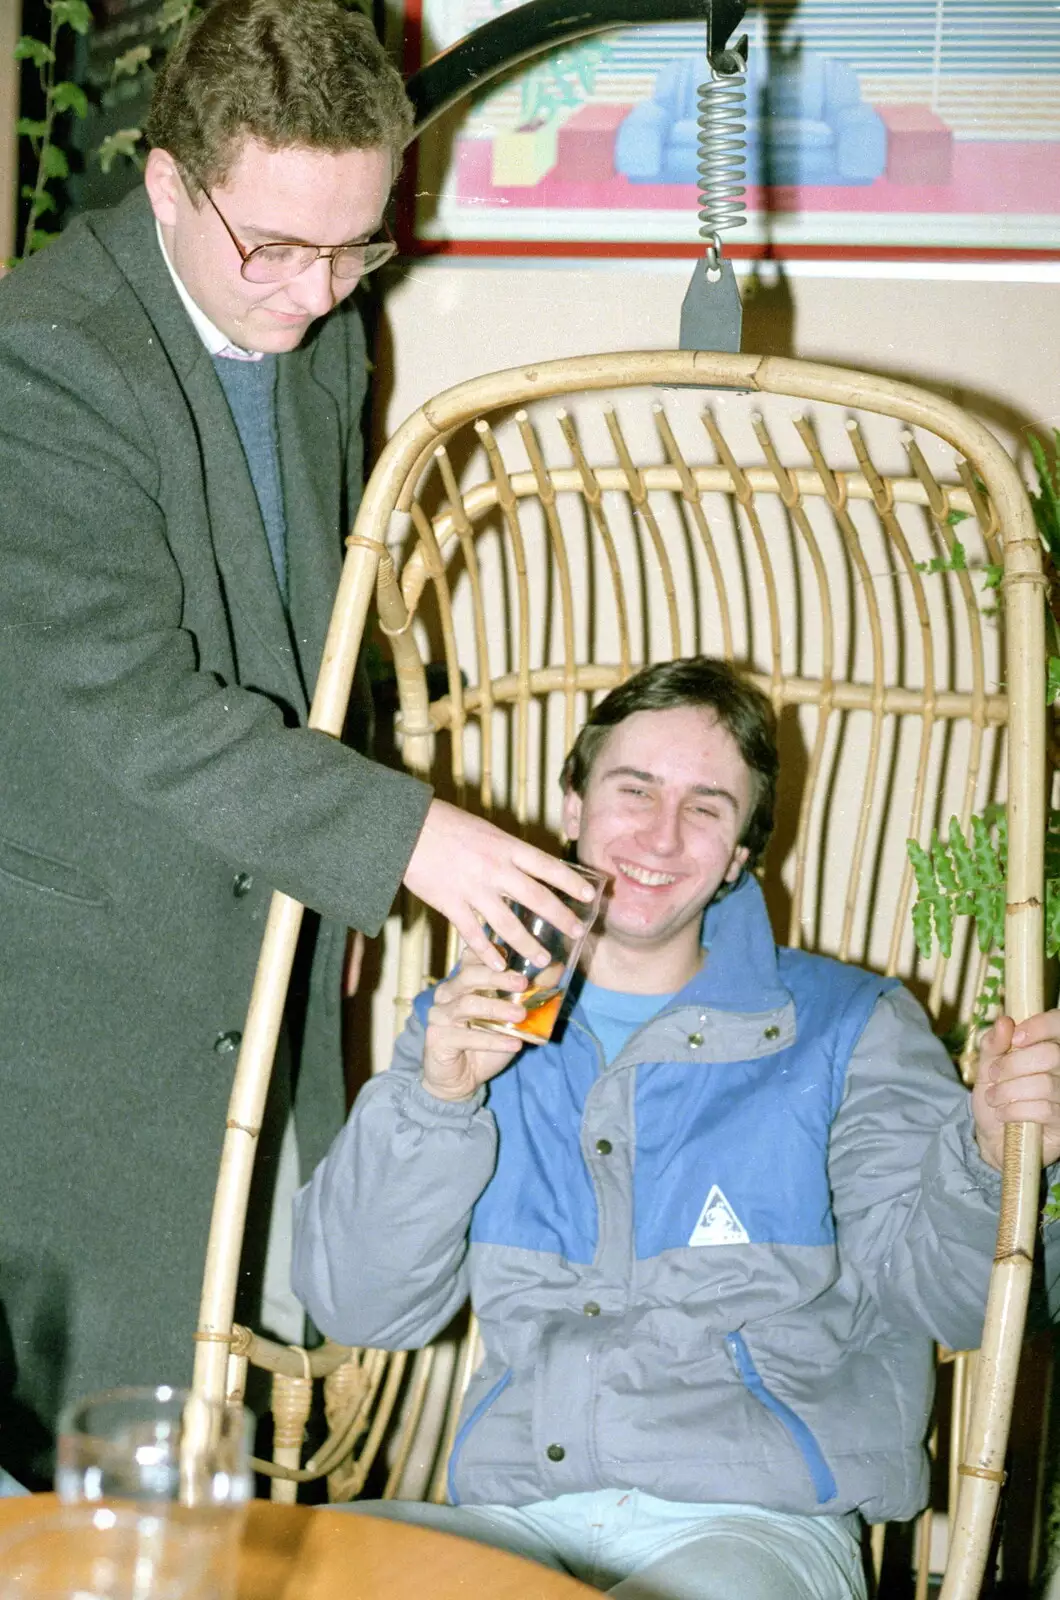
(758, 1129)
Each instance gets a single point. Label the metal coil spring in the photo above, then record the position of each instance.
(721, 171)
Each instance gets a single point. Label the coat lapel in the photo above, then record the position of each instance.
(263, 638)
(311, 453)
(240, 545)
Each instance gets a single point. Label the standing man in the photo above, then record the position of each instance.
(710, 1231)
(181, 385)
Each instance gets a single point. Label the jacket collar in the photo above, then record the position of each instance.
(740, 973)
(127, 233)
(740, 1009)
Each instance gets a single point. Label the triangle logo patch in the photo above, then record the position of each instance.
(718, 1222)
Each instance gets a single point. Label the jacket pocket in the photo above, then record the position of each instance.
(465, 1428)
(30, 869)
(824, 1483)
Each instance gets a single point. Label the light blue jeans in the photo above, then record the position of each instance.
(636, 1547)
(10, 1485)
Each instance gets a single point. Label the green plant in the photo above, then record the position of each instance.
(127, 77)
(130, 76)
(963, 874)
(1046, 502)
(59, 98)
(956, 561)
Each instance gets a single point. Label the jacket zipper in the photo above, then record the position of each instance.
(465, 1428)
(824, 1483)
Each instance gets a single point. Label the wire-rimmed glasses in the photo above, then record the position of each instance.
(276, 262)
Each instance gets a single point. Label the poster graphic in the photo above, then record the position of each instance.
(910, 126)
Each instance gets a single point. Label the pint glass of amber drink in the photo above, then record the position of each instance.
(547, 986)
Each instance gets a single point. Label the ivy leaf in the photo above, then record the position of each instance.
(74, 14)
(1052, 918)
(962, 855)
(173, 13)
(27, 128)
(35, 50)
(1046, 503)
(992, 576)
(921, 863)
(121, 92)
(53, 163)
(942, 862)
(70, 97)
(42, 200)
(37, 240)
(923, 931)
(957, 516)
(956, 562)
(123, 143)
(1052, 680)
(129, 64)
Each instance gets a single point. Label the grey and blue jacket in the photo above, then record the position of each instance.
(711, 1270)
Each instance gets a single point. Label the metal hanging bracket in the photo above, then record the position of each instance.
(712, 312)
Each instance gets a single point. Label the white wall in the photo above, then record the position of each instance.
(993, 346)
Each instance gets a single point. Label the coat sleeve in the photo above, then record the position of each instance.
(91, 629)
(916, 1206)
(381, 1228)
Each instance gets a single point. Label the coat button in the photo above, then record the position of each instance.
(555, 1452)
(603, 1147)
(695, 1039)
(772, 1032)
(226, 1043)
(242, 884)
(591, 1309)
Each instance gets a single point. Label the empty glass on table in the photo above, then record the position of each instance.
(168, 1449)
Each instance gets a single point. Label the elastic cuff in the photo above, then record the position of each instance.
(424, 1107)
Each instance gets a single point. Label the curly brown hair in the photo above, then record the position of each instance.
(307, 74)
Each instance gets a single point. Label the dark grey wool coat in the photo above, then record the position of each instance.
(156, 782)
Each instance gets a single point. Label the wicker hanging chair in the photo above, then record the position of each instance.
(546, 531)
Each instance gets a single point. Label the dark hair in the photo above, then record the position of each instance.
(290, 73)
(739, 707)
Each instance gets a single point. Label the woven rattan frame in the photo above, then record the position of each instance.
(419, 501)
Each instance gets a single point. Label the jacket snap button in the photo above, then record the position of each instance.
(242, 884)
(603, 1147)
(772, 1032)
(226, 1043)
(555, 1452)
(591, 1308)
(695, 1039)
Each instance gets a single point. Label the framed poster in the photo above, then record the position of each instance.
(923, 128)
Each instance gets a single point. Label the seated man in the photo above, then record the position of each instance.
(711, 1230)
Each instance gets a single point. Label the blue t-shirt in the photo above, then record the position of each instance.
(613, 1014)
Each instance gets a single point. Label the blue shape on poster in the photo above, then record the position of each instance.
(806, 124)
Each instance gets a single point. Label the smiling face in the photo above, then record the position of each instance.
(309, 196)
(663, 813)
